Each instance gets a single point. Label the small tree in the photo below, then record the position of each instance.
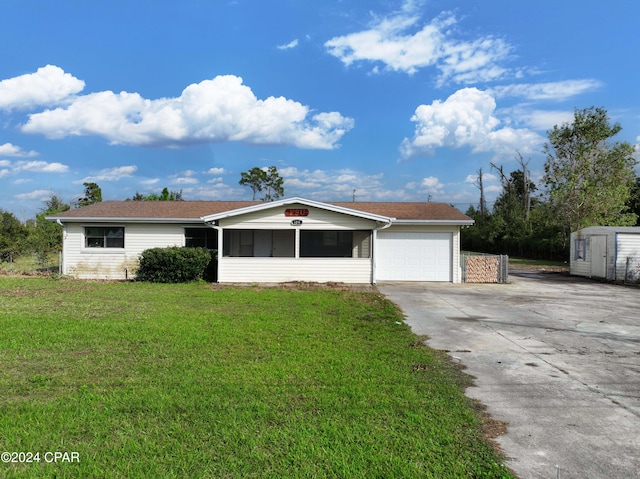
(13, 236)
(634, 200)
(92, 194)
(273, 185)
(254, 179)
(589, 179)
(263, 179)
(46, 236)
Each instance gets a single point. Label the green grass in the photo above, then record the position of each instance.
(536, 262)
(151, 380)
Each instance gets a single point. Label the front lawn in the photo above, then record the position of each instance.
(152, 380)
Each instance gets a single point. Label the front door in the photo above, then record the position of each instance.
(599, 256)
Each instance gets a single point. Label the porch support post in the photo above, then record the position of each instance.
(374, 236)
(220, 250)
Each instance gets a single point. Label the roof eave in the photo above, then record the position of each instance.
(410, 222)
(120, 219)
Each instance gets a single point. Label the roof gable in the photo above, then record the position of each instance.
(299, 201)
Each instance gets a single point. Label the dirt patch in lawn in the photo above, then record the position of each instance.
(301, 286)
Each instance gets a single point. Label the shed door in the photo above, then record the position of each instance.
(413, 256)
(599, 256)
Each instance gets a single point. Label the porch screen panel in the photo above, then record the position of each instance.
(361, 244)
(326, 244)
(259, 243)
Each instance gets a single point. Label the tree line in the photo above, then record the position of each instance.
(589, 179)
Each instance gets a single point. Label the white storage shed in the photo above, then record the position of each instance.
(607, 252)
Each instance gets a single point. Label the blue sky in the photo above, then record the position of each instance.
(398, 100)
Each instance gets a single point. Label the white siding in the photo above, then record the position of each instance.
(277, 270)
(628, 246)
(317, 219)
(116, 263)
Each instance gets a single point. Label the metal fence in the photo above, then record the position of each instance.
(484, 268)
(32, 264)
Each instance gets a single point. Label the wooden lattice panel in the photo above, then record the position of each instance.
(483, 269)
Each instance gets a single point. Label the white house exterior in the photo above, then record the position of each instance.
(287, 240)
(607, 252)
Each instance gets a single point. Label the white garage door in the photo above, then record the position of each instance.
(413, 256)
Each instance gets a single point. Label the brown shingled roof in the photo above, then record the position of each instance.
(408, 210)
(194, 210)
(154, 209)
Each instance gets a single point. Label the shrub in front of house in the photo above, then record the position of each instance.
(173, 264)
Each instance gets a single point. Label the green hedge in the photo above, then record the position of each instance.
(173, 265)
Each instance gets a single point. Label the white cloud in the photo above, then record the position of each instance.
(465, 119)
(40, 167)
(184, 180)
(150, 182)
(288, 46)
(544, 120)
(218, 191)
(15, 151)
(216, 171)
(401, 44)
(35, 195)
(110, 174)
(335, 185)
(560, 90)
(432, 183)
(10, 168)
(186, 177)
(218, 110)
(485, 178)
(48, 86)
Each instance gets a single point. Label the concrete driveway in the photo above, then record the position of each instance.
(556, 357)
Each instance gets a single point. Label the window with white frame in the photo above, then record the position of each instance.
(201, 237)
(104, 237)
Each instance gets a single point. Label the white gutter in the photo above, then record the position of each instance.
(434, 222)
(374, 239)
(121, 219)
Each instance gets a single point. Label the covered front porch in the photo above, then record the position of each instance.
(276, 255)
